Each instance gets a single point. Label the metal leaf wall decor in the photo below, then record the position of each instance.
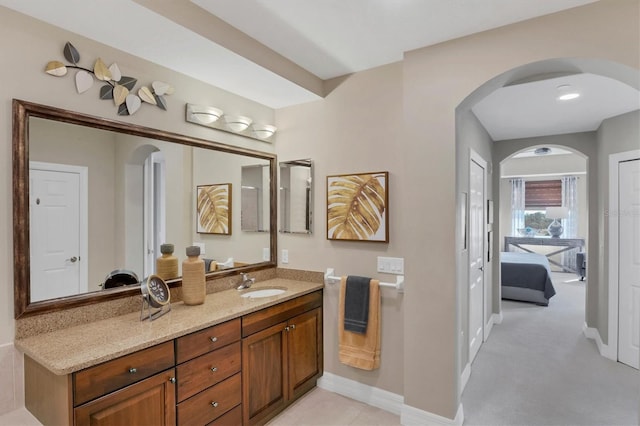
(119, 88)
(357, 207)
(214, 209)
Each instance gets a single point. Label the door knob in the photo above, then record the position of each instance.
(73, 259)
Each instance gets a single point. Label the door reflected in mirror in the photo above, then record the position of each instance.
(255, 198)
(296, 196)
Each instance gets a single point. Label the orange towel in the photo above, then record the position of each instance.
(361, 350)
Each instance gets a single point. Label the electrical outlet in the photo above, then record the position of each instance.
(285, 256)
(265, 254)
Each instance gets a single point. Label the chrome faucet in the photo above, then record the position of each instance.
(246, 282)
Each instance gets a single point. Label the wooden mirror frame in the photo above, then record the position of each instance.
(22, 111)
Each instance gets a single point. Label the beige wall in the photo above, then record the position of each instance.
(357, 128)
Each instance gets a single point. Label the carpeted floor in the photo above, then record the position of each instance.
(537, 368)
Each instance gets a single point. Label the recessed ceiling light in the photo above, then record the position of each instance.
(566, 93)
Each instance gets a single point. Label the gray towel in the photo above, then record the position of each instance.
(356, 304)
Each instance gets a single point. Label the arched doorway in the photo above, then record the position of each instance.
(471, 135)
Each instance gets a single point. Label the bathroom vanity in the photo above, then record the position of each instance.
(233, 360)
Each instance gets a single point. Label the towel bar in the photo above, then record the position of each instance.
(330, 278)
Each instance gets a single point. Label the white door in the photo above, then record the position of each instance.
(56, 235)
(154, 209)
(476, 258)
(629, 266)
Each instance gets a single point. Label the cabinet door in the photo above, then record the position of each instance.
(264, 360)
(305, 351)
(149, 402)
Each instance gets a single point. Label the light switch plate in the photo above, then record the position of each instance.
(265, 254)
(285, 256)
(391, 265)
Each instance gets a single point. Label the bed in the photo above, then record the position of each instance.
(526, 277)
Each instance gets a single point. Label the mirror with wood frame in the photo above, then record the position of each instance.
(94, 197)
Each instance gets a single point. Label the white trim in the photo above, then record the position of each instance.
(493, 319)
(614, 160)
(415, 417)
(605, 350)
(464, 377)
(375, 397)
(83, 173)
(543, 175)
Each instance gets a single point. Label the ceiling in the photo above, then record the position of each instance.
(311, 41)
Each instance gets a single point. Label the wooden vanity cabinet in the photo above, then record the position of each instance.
(281, 356)
(208, 375)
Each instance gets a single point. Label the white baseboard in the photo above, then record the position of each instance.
(414, 417)
(493, 319)
(383, 399)
(605, 350)
(464, 377)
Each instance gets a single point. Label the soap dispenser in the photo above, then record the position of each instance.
(194, 287)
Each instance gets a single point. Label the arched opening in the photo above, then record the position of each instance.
(474, 138)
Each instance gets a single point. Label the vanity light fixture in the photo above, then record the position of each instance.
(205, 114)
(237, 123)
(241, 125)
(263, 131)
(566, 93)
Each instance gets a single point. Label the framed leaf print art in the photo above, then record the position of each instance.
(214, 209)
(357, 207)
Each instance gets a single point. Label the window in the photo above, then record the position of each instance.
(539, 195)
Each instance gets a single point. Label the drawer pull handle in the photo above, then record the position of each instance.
(133, 370)
(214, 369)
(172, 380)
(213, 339)
(214, 404)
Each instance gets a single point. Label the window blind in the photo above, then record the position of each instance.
(540, 194)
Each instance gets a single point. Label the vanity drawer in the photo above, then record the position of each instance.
(210, 404)
(111, 375)
(207, 340)
(207, 370)
(267, 317)
(230, 418)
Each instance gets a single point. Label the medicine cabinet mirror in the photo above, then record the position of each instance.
(133, 189)
(296, 196)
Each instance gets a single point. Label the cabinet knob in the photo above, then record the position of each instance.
(293, 326)
(214, 369)
(286, 329)
(133, 370)
(172, 380)
(214, 404)
(213, 339)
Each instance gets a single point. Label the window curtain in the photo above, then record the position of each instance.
(517, 206)
(570, 224)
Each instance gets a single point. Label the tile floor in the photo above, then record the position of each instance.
(318, 407)
(323, 408)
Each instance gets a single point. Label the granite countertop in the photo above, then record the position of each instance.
(72, 349)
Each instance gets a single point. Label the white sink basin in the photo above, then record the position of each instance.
(265, 292)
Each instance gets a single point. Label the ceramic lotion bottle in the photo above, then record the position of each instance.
(167, 264)
(193, 280)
